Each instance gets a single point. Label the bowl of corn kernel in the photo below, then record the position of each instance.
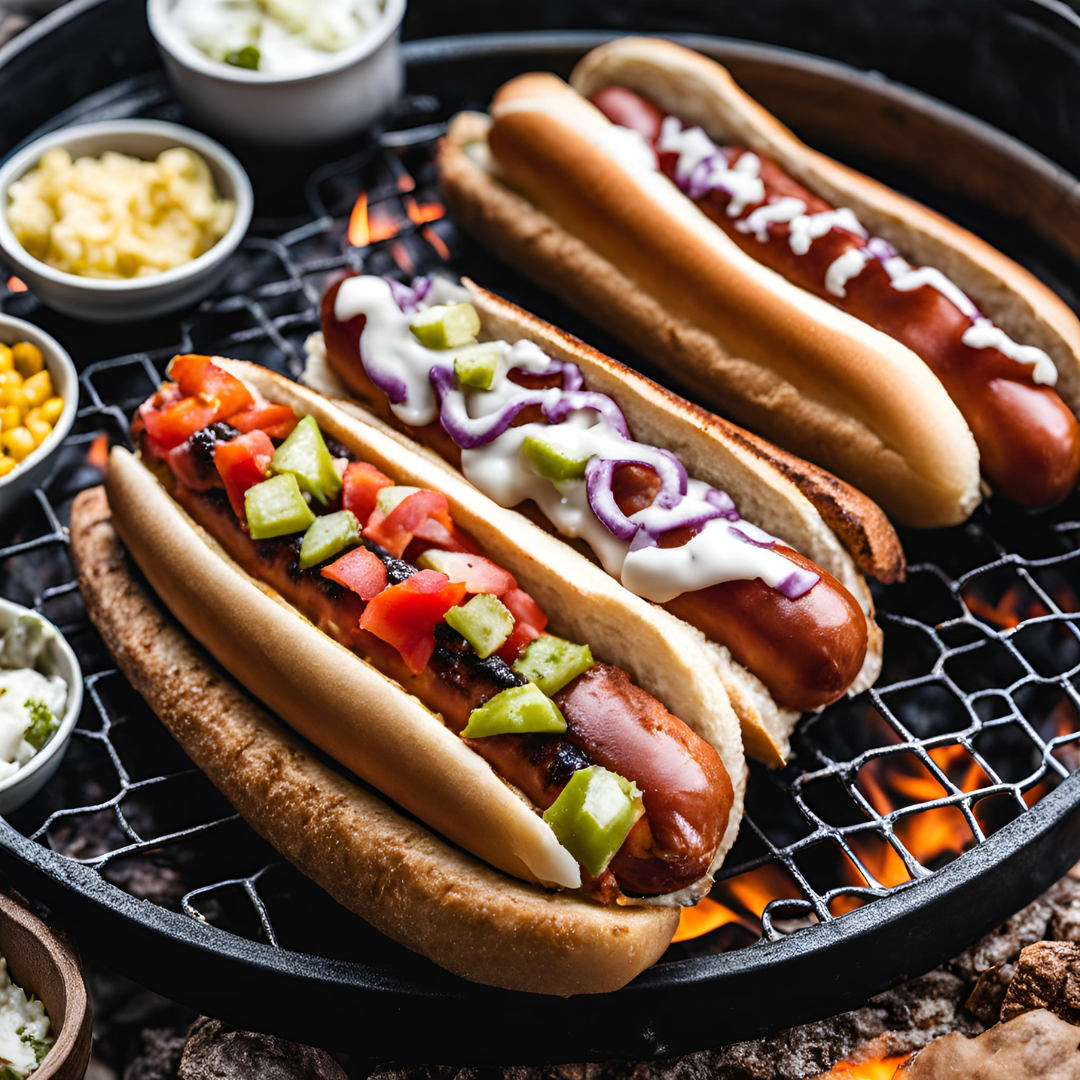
(39, 395)
(122, 219)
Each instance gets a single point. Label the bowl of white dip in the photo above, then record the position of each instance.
(40, 697)
(282, 72)
(45, 1016)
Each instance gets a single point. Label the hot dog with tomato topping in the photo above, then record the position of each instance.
(845, 321)
(538, 421)
(457, 658)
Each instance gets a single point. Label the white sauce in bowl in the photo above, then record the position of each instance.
(276, 37)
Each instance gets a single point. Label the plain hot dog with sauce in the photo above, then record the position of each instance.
(1028, 438)
(668, 537)
(336, 579)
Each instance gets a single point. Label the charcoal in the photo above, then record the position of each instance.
(1034, 1046)
(157, 1056)
(1047, 977)
(217, 1052)
(984, 1002)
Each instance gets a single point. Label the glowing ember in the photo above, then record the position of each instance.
(422, 213)
(403, 178)
(878, 1069)
(436, 241)
(15, 284)
(402, 257)
(98, 454)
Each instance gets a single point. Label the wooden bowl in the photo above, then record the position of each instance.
(43, 962)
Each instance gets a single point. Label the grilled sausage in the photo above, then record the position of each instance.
(1028, 439)
(688, 794)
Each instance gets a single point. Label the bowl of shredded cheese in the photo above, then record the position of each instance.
(122, 219)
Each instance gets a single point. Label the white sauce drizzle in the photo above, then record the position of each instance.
(718, 552)
(985, 335)
(702, 167)
(845, 267)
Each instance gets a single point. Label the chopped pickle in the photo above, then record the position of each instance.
(476, 366)
(446, 326)
(247, 57)
(593, 815)
(304, 455)
(521, 710)
(552, 662)
(276, 508)
(484, 622)
(388, 497)
(552, 462)
(327, 536)
(42, 723)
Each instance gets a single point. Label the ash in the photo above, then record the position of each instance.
(139, 1036)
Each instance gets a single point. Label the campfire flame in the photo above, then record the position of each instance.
(98, 454)
(874, 1069)
(370, 224)
(15, 284)
(891, 782)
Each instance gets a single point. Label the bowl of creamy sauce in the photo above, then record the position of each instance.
(283, 72)
(26, 1035)
(40, 699)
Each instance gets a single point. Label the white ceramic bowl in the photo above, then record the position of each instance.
(20, 787)
(107, 300)
(356, 86)
(32, 469)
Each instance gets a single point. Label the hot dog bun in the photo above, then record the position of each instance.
(366, 721)
(393, 872)
(626, 247)
(686, 83)
(825, 519)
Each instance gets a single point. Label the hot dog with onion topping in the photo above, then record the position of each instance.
(409, 634)
(824, 310)
(538, 421)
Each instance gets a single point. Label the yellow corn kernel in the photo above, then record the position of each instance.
(6, 362)
(51, 410)
(18, 442)
(10, 417)
(6, 464)
(38, 388)
(39, 430)
(28, 359)
(9, 380)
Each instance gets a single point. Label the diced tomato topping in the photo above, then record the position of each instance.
(405, 615)
(480, 575)
(276, 420)
(172, 424)
(435, 534)
(359, 570)
(394, 530)
(362, 484)
(186, 469)
(243, 463)
(199, 376)
(529, 622)
(515, 644)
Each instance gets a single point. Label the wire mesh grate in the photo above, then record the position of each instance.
(974, 719)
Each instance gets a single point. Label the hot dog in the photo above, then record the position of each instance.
(774, 282)
(301, 548)
(1028, 439)
(790, 634)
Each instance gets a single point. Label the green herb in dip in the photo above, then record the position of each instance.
(31, 702)
(25, 1037)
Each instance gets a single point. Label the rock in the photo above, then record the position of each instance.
(985, 1000)
(1035, 1046)
(1047, 977)
(1003, 945)
(1065, 924)
(217, 1052)
(157, 1056)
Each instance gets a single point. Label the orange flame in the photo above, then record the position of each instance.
(422, 213)
(740, 899)
(404, 181)
(15, 284)
(98, 454)
(359, 227)
(874, 1069)
(436, 241)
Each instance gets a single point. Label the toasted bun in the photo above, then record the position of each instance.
(366, 721)
(408, 883)
(701, 92)
(629, 249)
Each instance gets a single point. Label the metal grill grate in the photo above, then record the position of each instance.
(975, 717)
